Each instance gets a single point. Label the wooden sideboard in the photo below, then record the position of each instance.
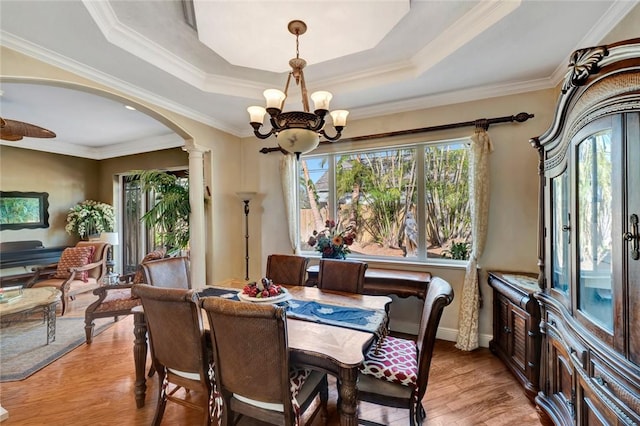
(383, 282)
(516, 330)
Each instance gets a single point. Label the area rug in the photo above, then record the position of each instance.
(23, 348)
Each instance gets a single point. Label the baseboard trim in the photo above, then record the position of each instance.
(448, 334)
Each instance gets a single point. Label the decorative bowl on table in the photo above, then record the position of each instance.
(263, 291)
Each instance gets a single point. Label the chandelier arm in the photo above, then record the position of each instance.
(319, 124)
(332, 138)
(256, 131)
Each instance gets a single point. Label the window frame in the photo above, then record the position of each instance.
(419, 147)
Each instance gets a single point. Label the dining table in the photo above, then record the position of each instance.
(330, 346)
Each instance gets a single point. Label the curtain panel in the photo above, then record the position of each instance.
(480, 149)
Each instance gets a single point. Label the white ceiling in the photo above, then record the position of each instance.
(376, 57)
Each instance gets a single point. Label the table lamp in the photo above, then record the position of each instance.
(112, 239)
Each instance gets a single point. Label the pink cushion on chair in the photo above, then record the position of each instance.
(118, 300)
(396, 361)
(74, 257)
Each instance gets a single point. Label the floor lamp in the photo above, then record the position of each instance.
(246, 197)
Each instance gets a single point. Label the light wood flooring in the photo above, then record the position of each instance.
(93, 385)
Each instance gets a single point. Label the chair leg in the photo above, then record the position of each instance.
(64, 304)
(324, 398)
(162, 398)
(88, 329)
(421, 413)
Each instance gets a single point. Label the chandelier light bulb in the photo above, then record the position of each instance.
(339, 117)
(321, 100)
(274, 98)
(257, 114)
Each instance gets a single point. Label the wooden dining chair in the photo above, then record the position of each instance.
(341, 275)
(178, 347)
(170, 272)
(287, 269)
(396, 375)
(252, 369)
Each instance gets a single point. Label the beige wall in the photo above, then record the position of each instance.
(222, 153)
(511, 243)
(68, 180)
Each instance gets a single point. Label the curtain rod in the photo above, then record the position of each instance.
(483, 123)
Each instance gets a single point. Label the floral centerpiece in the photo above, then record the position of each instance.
(90, 218)
(332, 243)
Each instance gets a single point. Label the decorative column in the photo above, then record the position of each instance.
(197, 229)
(246, 198)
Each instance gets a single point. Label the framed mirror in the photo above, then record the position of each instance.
(24, 210)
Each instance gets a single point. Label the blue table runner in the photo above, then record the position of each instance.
(371, 321)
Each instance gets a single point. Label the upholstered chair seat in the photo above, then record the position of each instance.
(396, 373)
(116, 300)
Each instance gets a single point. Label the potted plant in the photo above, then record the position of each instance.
(90, 218)
(169, 216)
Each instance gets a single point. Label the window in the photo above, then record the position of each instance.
(138, 238)
(398, 208)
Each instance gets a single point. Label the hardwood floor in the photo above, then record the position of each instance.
(93, 385)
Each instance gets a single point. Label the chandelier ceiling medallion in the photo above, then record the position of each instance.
(297, 132)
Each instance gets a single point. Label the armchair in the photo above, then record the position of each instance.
(80, 269)
(116, 300)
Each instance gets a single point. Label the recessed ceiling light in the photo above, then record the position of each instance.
(129, 107)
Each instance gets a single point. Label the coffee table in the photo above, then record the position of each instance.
(33, 300)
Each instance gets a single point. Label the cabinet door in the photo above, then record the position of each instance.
(502, 329)
(631, 236)
(562, 380)
(596, 148)
(560, 238)
(518, 323)
(592, 410)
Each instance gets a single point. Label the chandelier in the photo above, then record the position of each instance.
(297, 132)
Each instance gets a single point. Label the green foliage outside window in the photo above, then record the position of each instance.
(376, 194)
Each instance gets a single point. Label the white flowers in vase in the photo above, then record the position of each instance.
(89, 218)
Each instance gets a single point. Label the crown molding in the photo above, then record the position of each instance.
(470, 25)
(142, 47)
(450, 98)
(99, 153)
(37, 52)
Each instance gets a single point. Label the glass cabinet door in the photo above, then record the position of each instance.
(594, 218)
(560, 217)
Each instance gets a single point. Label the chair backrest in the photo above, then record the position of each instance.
(287, 269)
(439, 295)
(176, 333)
(250, 351)
(170, 272)
(100, 250)
(341, 275)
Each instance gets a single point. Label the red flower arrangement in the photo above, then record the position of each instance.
(331, 242)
